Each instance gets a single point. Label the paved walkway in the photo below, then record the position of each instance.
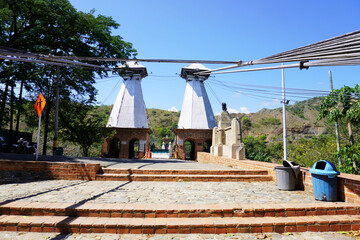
(121, 163)
(151, 192)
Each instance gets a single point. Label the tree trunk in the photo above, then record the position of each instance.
(85, 151)
(351, 142)
(3, 102)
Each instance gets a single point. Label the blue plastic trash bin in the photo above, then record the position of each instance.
(324, 178)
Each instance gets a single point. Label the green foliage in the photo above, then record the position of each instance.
(341, 103)
(162, 123)
(304, 151)
(246, 123)
(57, 28)
(81, 126)
(270, 121)
(350, 156)
(256, 149)
(297, 109)
(276, 150)
(308, 151)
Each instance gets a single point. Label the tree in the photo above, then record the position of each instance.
(343, 103)
(81, 126)
(246, 123)
(56, 28)
(256, 149)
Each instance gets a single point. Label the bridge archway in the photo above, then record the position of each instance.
(134, 147)
(189, 150)
(207, 145)
(114, 148)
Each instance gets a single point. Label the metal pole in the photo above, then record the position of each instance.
(38, 138)
(12, 113)
(55, 141)
(336, 123)
(284, 114)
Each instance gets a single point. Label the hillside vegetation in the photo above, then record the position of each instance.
(162, 123)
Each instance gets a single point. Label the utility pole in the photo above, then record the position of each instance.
(284, 102)
(19, 107)
(55, 140)
(12, 112)
(336, 123)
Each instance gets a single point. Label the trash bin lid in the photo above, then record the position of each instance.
(324, 167)
(295, 166)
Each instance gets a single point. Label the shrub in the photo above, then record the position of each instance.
(270, 121)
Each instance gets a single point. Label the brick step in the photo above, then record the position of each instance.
(185, 178)
(183, 172)
(177, 210)
(66, 224)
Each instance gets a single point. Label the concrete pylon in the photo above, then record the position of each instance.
(128, 117)
(197, 118)
(129, 109)
(196, 111)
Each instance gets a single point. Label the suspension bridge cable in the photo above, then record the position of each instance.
(293, 91)
(112, 91)
(213, 92)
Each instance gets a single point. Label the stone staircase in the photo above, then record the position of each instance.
(87, 217)
(178, 218)
(183, 175)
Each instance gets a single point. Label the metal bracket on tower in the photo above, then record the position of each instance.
(301, 64)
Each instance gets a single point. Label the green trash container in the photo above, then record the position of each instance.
(59, 151)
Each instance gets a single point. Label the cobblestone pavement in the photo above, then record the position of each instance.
(151, 192)
(275, 236)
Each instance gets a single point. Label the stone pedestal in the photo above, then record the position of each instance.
(226, 138)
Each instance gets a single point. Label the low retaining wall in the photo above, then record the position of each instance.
(348, 184)
(23, 171)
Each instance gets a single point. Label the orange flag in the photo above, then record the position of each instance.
(40, 104)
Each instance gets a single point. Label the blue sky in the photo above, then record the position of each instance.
(225, 30)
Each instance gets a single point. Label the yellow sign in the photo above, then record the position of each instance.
(40, 104)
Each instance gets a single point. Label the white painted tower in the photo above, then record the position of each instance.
(196, 111)
(129, 109)
(128, 117)
(194, 132)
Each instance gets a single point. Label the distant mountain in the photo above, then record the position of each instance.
(301, 119)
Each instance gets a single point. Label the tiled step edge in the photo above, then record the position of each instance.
(177, 210)
(179, 178)
(183, 172)
(175, 225)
